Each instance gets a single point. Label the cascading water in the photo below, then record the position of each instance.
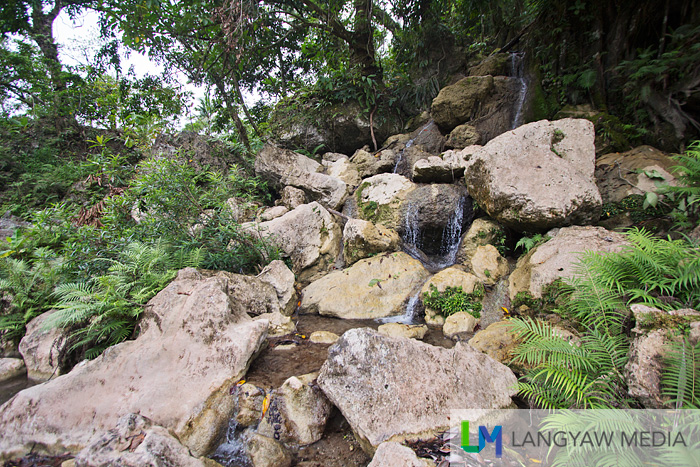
(452, 234)
(409, 143)
(410, 314)
(411, 234)
(232, 452)
(517, 71)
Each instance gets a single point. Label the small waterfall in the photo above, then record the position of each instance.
(518, 72)
(232, 452)
(446, 255)
(409, 143)
(409, 315)
(452, 234)
(411, 235)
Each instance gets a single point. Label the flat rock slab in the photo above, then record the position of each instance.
(196, 342)
(394, 389)
(374, 287)
(11, 368)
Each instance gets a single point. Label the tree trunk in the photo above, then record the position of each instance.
(362, 41)
(231, 109)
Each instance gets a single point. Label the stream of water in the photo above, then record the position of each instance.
(518, 72)
(409, 143)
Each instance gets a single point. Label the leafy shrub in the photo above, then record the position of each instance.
(681, 379)
(687, 193)
(454, 300)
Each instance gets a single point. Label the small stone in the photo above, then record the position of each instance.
(459, 323)
(408, 331)
(249, 404)
(286, 347)
(323, 337)
(273, 213)
(11, 368)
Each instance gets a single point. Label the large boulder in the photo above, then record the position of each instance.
(365, 376)
(460, 102)
(498, 341)
(494, 65)
(462, 136)
(634, 172)
(136, 442)
(374, 287)
(282, 167)
(436, 170)
(344, 170)
(537, 176)
(278, 275)
(368, 164)
(201, 152)
(486, 103)
(298, 412)
(196, 341)
(362, 239)
(488, 264)
(309, 235)
(644, 368)
(379, 199)
(41, 347)
(557, 257)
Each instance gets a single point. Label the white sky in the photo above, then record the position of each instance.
(79, 39)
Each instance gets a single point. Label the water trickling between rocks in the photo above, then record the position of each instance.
(518, 72)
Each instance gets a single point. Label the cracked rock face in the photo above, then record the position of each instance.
(196, 342)
(538, 176)
(394, 389)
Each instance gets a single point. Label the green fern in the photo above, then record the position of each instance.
(104, 311)
(589, 374)
(681, 378)
(528, 243)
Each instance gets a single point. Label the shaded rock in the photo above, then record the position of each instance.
(460, 102)
(196, 341)
(40, 348)
(308, 235)
(497, 341)
(278, 275)
(266, 452)
(435, 170)
(365, 377)
(644, 367)
(450, 277)
(333, 156)
(379, 199)
(323, 337)
(556, 258)
(494, 65)
(298, 412)
(10, 223)
(135, 442)
(488, 265)
(283, 167)
(619, 175)
(462, 136)
(369, 164)
(374, 287)
(458, 324)
(277, 324)
(392, 454)
(409, 331)
(428, 138)
(273, 213)
(553, 184)
(292, 197)
(11, 368)
(362, 239)
(482, 231)
(249, 405)
(239, 210)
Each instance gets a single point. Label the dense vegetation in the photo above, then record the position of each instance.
(110, 221)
